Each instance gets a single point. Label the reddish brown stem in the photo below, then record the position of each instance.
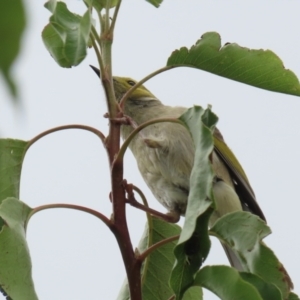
(93, 212)
(64, 127)
(168, 217)
(120, 228)
(171, 217)
(147, 252)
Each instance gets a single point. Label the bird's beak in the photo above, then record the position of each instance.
(97, 71)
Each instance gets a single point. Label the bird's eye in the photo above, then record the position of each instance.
(131, 82)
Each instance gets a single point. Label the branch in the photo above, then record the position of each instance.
(94, 36)
(59, 128)
(141, 194)
(128, 93)
(138, 129)
(95, 213)
(114, 19)
(152, 248)
(172, 217)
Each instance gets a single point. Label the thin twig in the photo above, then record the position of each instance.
(94, 36)
(138, 129)
(150, 228)
(155, 246)
(64, 127)
(95, 213)
(128, 93)
(106, 28)
(169, 217)
(114, 19)
(141, 194)
(129, 188)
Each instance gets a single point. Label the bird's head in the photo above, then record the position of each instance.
(122, 84)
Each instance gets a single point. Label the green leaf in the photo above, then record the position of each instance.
(66, 36)
(194, 243)
(226, 283)
(194, 292)
(12, 25)
(11, 158)
(94, 4)
(124, 291)
(157, 268)
(156, 3)
(98, 5)
(259, 68)
(11, 241)
(15, 271)
(267, 290)
(243, 232)
(112, 3)
(293, 296)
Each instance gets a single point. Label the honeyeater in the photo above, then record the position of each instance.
(165, 154)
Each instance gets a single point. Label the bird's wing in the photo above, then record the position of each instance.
(241, 182)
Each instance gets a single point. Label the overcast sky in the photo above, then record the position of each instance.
(75, 256)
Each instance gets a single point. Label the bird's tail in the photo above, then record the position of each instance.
(233, 258)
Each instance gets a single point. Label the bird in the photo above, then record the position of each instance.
(165, 153)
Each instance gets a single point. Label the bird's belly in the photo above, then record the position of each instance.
(160, 178)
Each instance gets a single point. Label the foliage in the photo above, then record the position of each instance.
(12, 25)
(161, 267)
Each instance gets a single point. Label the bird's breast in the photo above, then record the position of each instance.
(165, 157)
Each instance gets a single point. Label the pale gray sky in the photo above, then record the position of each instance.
(75, 256)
